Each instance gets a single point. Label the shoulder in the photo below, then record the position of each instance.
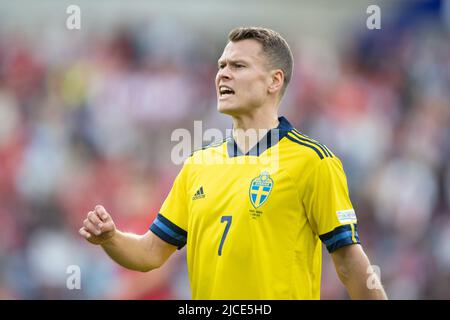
(307, 146)
(209, 149)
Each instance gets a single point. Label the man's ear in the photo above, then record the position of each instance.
(277, 81)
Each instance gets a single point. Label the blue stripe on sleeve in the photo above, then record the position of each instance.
(336, 238)
(169, 232)
(171, 225)
(339, 237)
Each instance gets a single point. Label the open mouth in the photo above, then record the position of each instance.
(225, 91)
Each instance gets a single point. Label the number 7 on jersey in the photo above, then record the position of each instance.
(227, 227)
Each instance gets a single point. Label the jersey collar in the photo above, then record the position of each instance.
(272, 137)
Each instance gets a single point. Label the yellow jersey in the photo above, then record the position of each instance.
(254, 223)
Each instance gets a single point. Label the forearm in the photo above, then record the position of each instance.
(130, 251)
(362, 285)
(355, 273)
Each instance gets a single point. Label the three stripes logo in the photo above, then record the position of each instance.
(199, 194)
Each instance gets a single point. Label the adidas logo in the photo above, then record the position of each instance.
(199, 194)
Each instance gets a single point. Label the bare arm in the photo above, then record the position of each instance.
(136, 252)
(352, 267)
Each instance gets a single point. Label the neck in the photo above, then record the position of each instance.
(249, 129)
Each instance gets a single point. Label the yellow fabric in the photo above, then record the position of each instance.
(269, 252)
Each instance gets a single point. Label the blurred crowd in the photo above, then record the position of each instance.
(88, 120)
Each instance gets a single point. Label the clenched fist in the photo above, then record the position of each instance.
(98, 227)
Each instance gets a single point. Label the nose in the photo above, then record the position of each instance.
(223, 73)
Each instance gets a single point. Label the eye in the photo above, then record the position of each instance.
(221, 66)
(239, 66)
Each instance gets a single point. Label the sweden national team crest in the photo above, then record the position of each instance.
(260, 188)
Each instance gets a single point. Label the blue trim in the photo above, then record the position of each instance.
(339, 237)
(337, 230)
(169, 232)
(336, 238)
(265, 143)
(306, 145)
(340, 244)
(165, 237)
(171, 225)
(302, 137)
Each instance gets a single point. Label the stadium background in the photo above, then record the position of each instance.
(86, 117)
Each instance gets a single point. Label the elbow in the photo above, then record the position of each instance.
(343, 272)
(144, 269)
(349, 262)
(155, 252)
(147, 268)
(150, 265)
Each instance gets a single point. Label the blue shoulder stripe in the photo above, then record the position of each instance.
(302, 137)
(340, 237)
(306, 145)
(169, 231)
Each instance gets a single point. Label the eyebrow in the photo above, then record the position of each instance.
(230, 61)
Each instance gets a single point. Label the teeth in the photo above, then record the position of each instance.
(225, 90)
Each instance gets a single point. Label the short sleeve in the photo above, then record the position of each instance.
(328, 206)
(172, 221)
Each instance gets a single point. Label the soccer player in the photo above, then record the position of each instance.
(253, 212)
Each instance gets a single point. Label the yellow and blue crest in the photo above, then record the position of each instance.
(260, 189)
